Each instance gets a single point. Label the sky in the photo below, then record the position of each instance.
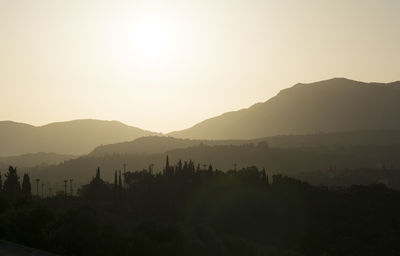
(166, 65)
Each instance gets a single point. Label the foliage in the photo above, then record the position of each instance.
(11, 184)
(202, 211)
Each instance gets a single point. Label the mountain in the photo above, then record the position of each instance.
(333, 105)
(159, 144)
(72, 137)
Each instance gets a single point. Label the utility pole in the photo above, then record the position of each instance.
(151, 166)
(70, 187)
(37, 187)
(65, 187)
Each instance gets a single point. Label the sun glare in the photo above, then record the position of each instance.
(151, 38)
(151, 41)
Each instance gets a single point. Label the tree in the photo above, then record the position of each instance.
(120, 180)
(1, 183)
(168, 171)
(115, 180)
(98, 173)
(11, 184)
(263, 175)
(97, 189)
(179, 168)
(26, 185)
(167, 164)
(191, 165)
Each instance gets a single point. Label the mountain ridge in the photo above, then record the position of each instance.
(73, 137)
(162, 144)
(333, 105)
(303, 108)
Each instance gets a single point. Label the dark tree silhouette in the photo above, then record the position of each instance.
(26, 185)
(168, 171)
(264, 177)
(179, 167)
(209, 212)
(120, 180)
(115, 180)
(97, 189)
(98, 173)
(1, 183)
(12, 186)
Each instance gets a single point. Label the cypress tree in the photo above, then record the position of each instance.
(120, 180)
(263, 175)
(11, 185)
(26, 185)
(179, 166)
(98, 173)
(115, 180)
(167, 164)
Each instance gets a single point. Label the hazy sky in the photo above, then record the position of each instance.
(165, 65)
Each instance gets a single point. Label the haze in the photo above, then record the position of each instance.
(165, 65)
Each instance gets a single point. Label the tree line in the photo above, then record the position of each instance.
(12, 186)
(192, 209)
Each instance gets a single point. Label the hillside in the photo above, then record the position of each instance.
(30, 160)
(73, 137)
(290, 161)
(158, 144)
(155, 145)
(333, 105)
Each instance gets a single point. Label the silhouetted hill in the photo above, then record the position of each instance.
(72, 137)
(158, 144)
(30, 160)
(333, 105)
(290, 161)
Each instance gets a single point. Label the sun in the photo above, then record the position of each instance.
(151, 38)
(150, 42)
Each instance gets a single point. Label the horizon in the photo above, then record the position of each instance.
(166, 65)
(190, 126)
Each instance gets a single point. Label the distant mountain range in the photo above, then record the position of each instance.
(73, 137)
(333, 105)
